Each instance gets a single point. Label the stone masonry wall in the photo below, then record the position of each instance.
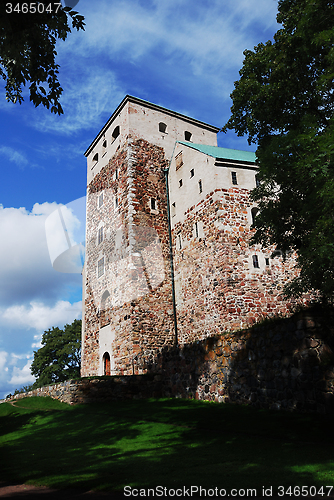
(133, 294)
(283, 364)
(218, 288)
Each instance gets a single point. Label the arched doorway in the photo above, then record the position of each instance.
(106, 364)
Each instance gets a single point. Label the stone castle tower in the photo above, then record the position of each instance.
(168, 260)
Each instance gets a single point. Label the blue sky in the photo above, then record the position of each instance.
(180, 54)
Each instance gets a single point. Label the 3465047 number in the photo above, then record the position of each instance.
(32, 8)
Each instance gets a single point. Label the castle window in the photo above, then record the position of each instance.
(254, 211)
(192, 173)
(187, 135)
(179, 240)
(178, 160)
(100, 200)
(100, 267)
(116, 173)
(180, 183)
(104, 147)
(234, 178)
(255, 262)
(257, 180)
(95, 159)
(196, 229)
(153, 204)
(162, 127)
(115, 133)
(100, 236)
(116, 203)
(200, 187)
(267, 261)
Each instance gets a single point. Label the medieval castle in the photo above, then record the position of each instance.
(168, 260)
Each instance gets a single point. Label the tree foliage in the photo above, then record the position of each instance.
(59, 357)
(284, 101)
(28, 50)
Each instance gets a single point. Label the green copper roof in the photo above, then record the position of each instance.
(223, 153)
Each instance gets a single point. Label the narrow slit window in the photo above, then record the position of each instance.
(116, 202)
(116, 173)
(254, 211)
(179, 241)
(100, 267)
(255, 262)
(100, 236)
(234, 178)
(100, 202)
(200, 186)
(267, 261)
(257, 180)
(192, 173)
(153, 204)
(196, 229)
(104, 147)
(180, 183)
(187, 135)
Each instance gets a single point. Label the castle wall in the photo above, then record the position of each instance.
(217, 286)
(136, 119)
(284, 364)
(221, 283)
(144, 122)
(132, 296)
(113, 221)
(108, 146)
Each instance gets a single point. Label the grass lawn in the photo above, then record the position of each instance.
(168, 442)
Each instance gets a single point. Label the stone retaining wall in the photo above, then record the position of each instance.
(283, 364)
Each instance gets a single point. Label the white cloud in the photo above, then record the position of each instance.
(26, 272)
(14, 156)
(94, 93)
(14, 372)
(3, 361)
(22, 376)
(208, 36)
(65, 234)
(41, 317)
(190, 47)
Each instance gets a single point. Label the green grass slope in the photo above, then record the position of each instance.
(168, 442)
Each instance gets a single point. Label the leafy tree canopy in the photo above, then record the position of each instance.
(59, 357)
(28, 37)
(284, 101)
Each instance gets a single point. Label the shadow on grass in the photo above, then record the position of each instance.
(164, 442)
